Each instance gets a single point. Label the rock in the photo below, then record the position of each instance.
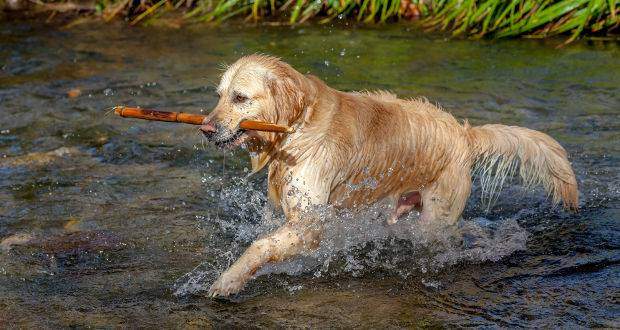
(74, 92)
(79, 242)
(38, 158)
(15, 239)
(15, 5)
(72, 225)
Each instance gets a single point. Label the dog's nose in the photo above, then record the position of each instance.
(208, 128)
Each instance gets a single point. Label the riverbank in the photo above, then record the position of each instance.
(472, 18)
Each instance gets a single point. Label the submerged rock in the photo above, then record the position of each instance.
(39, 158)
(77, 242)
(72, 225)
(16, 5)
(15, 239)
(74, 92)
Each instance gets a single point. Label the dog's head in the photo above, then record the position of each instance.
(256, 87)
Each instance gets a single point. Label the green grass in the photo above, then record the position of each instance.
(473, 18)
(510, 18)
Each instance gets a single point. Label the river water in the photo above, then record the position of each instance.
(109, 222)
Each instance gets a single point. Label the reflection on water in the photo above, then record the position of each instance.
(107, 222)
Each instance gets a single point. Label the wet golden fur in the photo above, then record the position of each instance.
(355, 148)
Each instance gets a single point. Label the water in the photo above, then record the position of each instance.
(114, 222)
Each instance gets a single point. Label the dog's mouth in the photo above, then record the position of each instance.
(234, 140)
(225, 138)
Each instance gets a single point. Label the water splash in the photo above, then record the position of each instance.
(354, 243)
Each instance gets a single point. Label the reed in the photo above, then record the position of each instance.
(531, 18)
(473, 18)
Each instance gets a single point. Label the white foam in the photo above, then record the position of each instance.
(353, 242)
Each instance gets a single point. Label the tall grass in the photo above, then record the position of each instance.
(474, 18)
(540, 18)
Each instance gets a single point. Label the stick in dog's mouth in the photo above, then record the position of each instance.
(195, 119)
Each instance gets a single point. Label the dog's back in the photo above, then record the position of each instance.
(384, 146)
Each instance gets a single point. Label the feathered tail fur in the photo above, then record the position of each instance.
(500, 151)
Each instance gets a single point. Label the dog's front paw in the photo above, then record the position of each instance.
(227, 283)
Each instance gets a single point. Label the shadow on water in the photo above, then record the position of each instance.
(108, 222)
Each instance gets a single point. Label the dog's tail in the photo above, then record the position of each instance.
(499, 151)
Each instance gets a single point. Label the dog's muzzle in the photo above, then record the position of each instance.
(221, 136)
(209, 130)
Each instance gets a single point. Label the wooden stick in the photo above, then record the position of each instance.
(194, 119)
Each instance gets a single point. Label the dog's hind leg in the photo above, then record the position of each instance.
(444, 200)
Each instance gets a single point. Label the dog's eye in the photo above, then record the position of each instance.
(238, 98)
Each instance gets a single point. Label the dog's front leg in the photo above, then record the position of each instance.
(301, 233)
(286, 241)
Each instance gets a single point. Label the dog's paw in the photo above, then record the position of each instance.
(228, 283)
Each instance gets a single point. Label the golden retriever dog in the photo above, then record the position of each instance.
(417, 155)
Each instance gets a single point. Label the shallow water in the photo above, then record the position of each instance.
(113, 222)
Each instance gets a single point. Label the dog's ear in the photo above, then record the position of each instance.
(288, 95)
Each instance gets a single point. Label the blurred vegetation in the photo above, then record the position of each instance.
(474, 18)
